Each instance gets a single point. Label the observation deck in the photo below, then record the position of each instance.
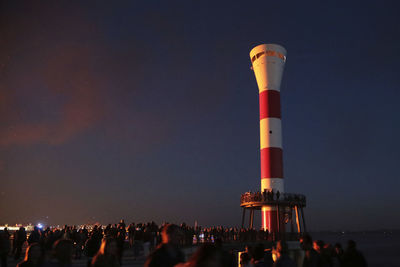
(258, 199)
(289, 208)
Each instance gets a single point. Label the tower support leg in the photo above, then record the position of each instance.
(297, 219)
(251, 218)
(304, 220)
(291, 223)
(278, 218)
(243, 216)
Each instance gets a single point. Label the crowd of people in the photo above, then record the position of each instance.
(161, 245)
(319, 253)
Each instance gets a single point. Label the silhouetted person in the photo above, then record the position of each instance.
(131, 234)
(228, 258)
(208, 255)
(34, 237)
(20, 236)
(107, 256)
(5, 246)
(245, 259)
(311, 257)
(146, 241)
(62, 254)
(270, 195)
(268, 257)
(121, 224)
(33, 256)
(352, 257)
(120, 242)
(283, 259)
(79, 238)
(338, 254)
(258, 257)
(154, 230)
(324, 253)
(167, 254)
(138, 236)
(92, 245)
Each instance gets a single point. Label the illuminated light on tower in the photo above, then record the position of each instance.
(268, 62)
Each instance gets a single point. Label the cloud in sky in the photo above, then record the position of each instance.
(49, 91)
(63, 78)
(55, 98)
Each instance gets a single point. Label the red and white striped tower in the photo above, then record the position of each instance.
(268, 62)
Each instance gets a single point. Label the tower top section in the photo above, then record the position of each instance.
(268, 62)
(273, 50)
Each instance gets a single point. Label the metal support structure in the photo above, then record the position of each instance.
(278, 218)
(251, 218)
(291, 222)
(304, 220)
(297, 219)
(243, 216)
(288, 204)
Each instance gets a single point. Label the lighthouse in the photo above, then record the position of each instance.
(282, 213)
(268, 61)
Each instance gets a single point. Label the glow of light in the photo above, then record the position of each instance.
(40, 226)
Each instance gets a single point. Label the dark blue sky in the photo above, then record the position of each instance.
(114, 110)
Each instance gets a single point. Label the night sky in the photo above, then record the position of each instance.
(122, 109)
